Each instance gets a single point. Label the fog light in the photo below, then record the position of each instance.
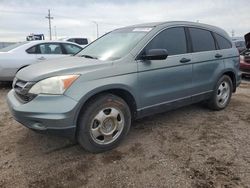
(39, 126)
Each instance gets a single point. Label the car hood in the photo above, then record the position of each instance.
(247, 40)
(60, 66)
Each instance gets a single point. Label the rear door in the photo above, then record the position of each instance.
(208, 61)
(165, 81)
(50, 51)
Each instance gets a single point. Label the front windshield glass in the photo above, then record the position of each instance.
(115, 44)
(13, 46)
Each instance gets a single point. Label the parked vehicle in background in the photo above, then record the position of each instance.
(78, 40)
(19, 55)
(240, 45)
(35, 37)
(127, 74)
(245, 57)
(245, 63)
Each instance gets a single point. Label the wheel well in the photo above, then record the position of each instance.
(233, 78)
(21, 68)
(125, 95)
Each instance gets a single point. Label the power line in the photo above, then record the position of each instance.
(49, 17)
(20, 12)
(57, 15)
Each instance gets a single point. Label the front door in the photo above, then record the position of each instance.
(165, 81)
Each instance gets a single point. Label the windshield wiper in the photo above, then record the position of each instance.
(89, 56)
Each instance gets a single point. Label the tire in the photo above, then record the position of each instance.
(222, 94)
(104, 123)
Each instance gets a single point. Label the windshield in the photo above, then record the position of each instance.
(115, 44)
(13, 46)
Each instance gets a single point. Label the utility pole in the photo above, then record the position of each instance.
(55, 32)
(97, 29)
(49, 18)
(233, 32)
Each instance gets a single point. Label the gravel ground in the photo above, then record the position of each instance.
(188, 147)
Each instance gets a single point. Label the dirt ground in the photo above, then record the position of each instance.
(188, 147)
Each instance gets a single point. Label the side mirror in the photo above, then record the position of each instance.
(155, 54)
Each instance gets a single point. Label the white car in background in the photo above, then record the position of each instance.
(78, 40)
(19, 55)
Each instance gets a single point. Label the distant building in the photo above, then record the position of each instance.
(5, 44)
(237, 38)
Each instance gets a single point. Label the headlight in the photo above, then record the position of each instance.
(54, 85)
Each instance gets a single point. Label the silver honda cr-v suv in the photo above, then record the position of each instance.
(126, 74)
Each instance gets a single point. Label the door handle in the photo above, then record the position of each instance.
(185, 60)
(218, 56)
(41, 58)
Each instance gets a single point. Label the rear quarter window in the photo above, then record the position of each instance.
(222, 42)
(81, 41)
(31, 50)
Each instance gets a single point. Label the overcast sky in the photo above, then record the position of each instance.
(18, 18)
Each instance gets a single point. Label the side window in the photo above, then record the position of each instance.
(173, 40)
(222, 42)
(202, 40)
(71, 49)
(50, 48)
(82, 41)
(71, 40)
(31, 50)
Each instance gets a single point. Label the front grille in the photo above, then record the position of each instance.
(21, 89)
(247, 59)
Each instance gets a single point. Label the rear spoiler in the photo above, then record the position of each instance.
(247, 40)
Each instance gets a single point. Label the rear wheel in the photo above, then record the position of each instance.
(222, 93)
(104, 123)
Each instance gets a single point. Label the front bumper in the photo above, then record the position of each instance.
(49, 114)
(245, 73)
(245, 68)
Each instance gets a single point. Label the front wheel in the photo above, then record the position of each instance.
(104, 123)
(222, 94)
